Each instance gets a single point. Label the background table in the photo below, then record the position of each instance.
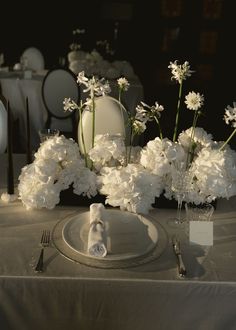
(16, 88)
(150, 296)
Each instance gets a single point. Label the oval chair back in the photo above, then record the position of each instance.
(59, 84)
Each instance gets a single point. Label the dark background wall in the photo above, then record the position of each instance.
(150, 34)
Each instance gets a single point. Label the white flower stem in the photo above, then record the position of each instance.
(177, 111)
(227, 141)
(130, 147)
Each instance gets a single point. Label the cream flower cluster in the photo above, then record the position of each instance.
(214, 175)
(180, 72)
(109, 150)
(132, 188)
(57, 165)
(133, 177)
(230, 115)
(213, 171)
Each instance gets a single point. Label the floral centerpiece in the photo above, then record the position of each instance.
(133, 177)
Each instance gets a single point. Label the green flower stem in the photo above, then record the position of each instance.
(177, 111)
(119, 95)
(159, 126)
(130, 147)
(93, 122)
(191, 148)
(126, 147)
(82, 137)
(227, 141)
(121, 110)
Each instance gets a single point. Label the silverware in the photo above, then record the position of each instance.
(45, 240)
(177, 251)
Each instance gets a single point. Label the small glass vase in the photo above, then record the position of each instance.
(180, 186)
(194, 212)
(201, 212)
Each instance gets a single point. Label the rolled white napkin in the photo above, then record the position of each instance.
(96, 235)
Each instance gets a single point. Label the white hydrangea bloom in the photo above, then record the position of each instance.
(108, 150)
(158, 155)
(57, 165)
(131, 188)
(201, 138)
(214, 175)
(86, 183)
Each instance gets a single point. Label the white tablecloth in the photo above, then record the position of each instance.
(150, 296)
(15, 89)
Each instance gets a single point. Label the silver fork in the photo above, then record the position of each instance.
(45, 240)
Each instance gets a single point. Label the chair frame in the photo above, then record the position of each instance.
(71, 114)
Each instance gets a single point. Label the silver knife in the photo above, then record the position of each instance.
(176, 247)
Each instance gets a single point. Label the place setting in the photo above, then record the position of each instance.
(109, 238)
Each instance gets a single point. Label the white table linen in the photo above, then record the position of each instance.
(16, 89)
(150, 296)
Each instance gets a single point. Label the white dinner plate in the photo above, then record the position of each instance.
(131, 239)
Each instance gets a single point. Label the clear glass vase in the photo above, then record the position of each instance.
(201, 212)
(180, 186)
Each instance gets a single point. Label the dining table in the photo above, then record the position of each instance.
(16, 86)
(70, 294)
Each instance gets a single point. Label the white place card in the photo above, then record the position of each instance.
(201, 232)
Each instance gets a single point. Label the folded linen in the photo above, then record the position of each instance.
(96, 235)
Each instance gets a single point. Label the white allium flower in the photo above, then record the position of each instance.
(123, 84)
(138, 127)
(131, 188)
(146, 113)
(70, 105)
(108, 149)
(230, 115)
(94, 85)
(180, 72)
(194, 101)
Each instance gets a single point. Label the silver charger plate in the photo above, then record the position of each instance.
(131, 239)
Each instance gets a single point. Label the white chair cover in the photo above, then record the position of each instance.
(34, 59)
(111, 117)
